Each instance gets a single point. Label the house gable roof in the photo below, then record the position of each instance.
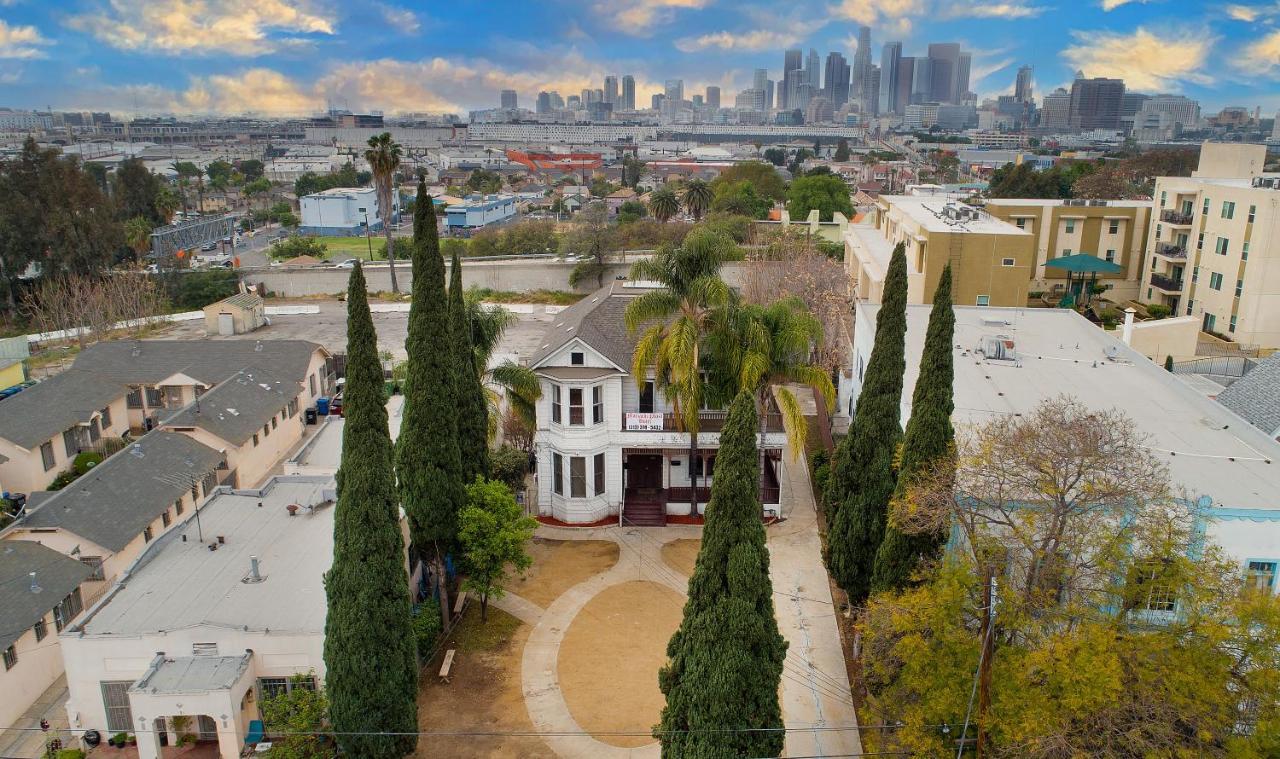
(239, 406)
(45, 409)
(57, 576)
(147, 362)
(597, 321)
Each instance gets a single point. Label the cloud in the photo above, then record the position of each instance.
(401, 19)
(638, 17)
(878, 12)
(758, 39)
(995, 10)
(21, 41)
(205, 27)
(1262, 56)
(1145, 60)
(1110, 5)
(981, 69)
(1243, 13)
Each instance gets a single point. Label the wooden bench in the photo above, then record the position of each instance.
(460, 602)
(447, 665)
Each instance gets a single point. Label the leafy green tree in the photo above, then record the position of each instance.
(663, 204)
(593, 238)
(676, 319)
(763, 178)
(510, 466)
(299, 718)
(863, 479)
(472, 411)
(842, 151)
(631, 210)
(257, 188)
(371, 669)
(136, 192)
(494, 533)
(827, 193)
(293, 247)
(927, 447)
(219, 173)
(801, 155)
(776, 156)
(697, 197)
(484, 181)
(740, 198)
(600, 187)
(252, 169)
(428, 461)
(725, 661)
(383, 156)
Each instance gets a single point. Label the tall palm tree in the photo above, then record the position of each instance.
(167, 203)
(759, 349)
(697, 197)
(137, 235)
(663, 204)
(383, 156)
(678, 318)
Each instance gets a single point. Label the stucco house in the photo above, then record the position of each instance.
(608, 447)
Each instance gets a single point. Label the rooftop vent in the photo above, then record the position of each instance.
(255, 575)
(998, 348)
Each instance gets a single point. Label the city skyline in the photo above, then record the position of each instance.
(296, 57)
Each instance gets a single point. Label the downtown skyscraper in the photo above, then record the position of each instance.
(628, 101)
(890, 77)
(861, 87)
(611, 89)
(836, 87)
(791, 71)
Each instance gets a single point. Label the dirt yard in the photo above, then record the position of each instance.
(610, 657)
(484, 694)
(681, 555)
(559, 565)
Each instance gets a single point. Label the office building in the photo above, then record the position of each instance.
(837, 87)
(871, 92)
(761, 81)
(544, 102)
(906, 77)
(1023, 87)
(922, 82)
(890, 70)
(611, 89)
(1055, 112)
(819, 111)
(962, 94)
(791, 67)
(944, 64)
(628, 92)
(657, 100)
(813, 70)
(1096, 103)
(861, 65)
(1113, 230)
(991, 259)
(750, 99)
(674, 91)
(713, 97)
(573, 103)
(508, 100)
(1213, 253)
(1165, 117)
(598, 110)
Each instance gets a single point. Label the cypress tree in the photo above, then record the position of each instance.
(428, 463)
(929, 439)
(864, 468)
(368, 641)
(473, 410)
(725, 660)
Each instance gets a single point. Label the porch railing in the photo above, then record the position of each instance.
(768, 494)
(1175, 217)
(708, 421)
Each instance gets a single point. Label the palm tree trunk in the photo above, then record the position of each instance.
(693, 481)
(386, 229)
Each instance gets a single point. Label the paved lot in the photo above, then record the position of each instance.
(329, 328)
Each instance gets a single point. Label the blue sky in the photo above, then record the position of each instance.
(294, 56)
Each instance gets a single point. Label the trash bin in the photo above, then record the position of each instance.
(311, 415)
(322, 405)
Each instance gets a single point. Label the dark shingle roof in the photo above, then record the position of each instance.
(1256, 395)
(597, 320)
(56, 577)
(112, 503)
(238, 407)
(45, 409)
(144, 362)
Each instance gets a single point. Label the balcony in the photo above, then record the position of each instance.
(708, 421)
(1170, 250)
(1166, 283)
(1176, 217)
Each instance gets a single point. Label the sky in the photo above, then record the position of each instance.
(297, 57)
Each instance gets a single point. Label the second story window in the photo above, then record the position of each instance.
(646, 398)
(576, 412)
(597, 404)
(555, 404)
(46, 455)
(577, 358)
(134, 399)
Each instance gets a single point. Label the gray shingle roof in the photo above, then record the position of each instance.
(597, 320)
(143, 362)
(112, 503)
(45, 409)
(1256, 395)
(238, 407)
(240, 300)
(56, 576)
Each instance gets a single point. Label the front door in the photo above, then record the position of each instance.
(644, 472)
(208, 729)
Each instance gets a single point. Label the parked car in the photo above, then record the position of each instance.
(209, 246)
(349, 263)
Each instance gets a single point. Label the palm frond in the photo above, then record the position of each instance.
(651, 306)
(789, 407)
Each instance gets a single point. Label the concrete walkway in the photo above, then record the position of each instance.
(29, 744)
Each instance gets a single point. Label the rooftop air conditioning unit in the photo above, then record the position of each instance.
(998, 348)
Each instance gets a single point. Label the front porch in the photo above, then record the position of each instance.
(209, 698)
(660, 482)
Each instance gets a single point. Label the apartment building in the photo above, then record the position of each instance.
(1214, 248)
(991, 259)
(1112, 230)
(609, 447)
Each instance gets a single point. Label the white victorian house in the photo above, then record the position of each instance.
(608, 447)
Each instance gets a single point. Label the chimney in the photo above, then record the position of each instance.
(1127, 334)
(254, 575)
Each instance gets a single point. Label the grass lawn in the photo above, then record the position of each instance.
(341, 248)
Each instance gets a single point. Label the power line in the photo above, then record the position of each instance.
(531, 733)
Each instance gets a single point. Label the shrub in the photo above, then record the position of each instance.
(70, 753)
(820, 471)
(1158, 311)
(63, 479)
(86, 461)
(192, 290)
(299, 246)
(509, 465)
(427, 626)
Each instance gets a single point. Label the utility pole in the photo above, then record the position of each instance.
(984, 658)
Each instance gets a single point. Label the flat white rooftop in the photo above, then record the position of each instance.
(927, 212)
(182, 584)
(192, 674)
(878, 249)
(1209, 450)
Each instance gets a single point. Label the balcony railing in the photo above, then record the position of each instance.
(708, 421)
(1166, 283)
(1170, 250)
(1176, 217)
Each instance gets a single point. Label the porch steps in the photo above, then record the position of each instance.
(645, 514)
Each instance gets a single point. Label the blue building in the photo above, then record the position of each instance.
(480, 211)
(343, 212)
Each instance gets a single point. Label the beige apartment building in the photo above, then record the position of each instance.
(1213, 251)
(991, 259)
(1112, 230)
